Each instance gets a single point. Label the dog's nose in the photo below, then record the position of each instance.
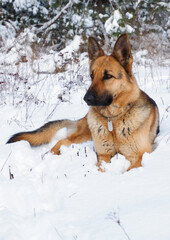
(89, 98)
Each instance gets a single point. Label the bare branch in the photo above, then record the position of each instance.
(114, 216)
(52, 21)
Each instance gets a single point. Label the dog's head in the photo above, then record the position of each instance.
(110, 75)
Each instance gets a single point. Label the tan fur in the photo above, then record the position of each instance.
(115, 95)
(81, 134)
(44, 134)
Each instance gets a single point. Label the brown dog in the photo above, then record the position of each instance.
(121, 119)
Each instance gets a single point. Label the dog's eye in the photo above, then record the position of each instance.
(107, 76)
(92, 76)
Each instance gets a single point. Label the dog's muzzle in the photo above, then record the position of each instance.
(89, 98)
(92, 99)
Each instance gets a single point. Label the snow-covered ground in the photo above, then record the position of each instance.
(48, 197)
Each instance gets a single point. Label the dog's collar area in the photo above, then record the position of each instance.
(120, 113)
(109, 115)
(110, 124)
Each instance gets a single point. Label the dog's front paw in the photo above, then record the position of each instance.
(100, 166)
(55, 151)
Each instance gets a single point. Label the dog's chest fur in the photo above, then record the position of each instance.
(125, 121)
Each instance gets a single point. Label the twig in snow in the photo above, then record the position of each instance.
(52, 112)
(167, 110)
(85, 150)
(58, 233)
(5, 161)
(75, 237)
(72, 194)
(168, 139)
(11, 176)
(44, 154)
(114, 216)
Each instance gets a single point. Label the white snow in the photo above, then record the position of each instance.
(111, 24)
(129, 29)
(76, 19)
(30, 5)
(65, 197)
(129, 15)
(88, 22)
(7, 32)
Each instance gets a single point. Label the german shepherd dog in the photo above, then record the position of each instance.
(121, 118)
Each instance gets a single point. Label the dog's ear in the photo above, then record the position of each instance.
(94, 49)
(122, 52)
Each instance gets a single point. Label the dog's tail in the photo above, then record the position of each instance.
(43, 134)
